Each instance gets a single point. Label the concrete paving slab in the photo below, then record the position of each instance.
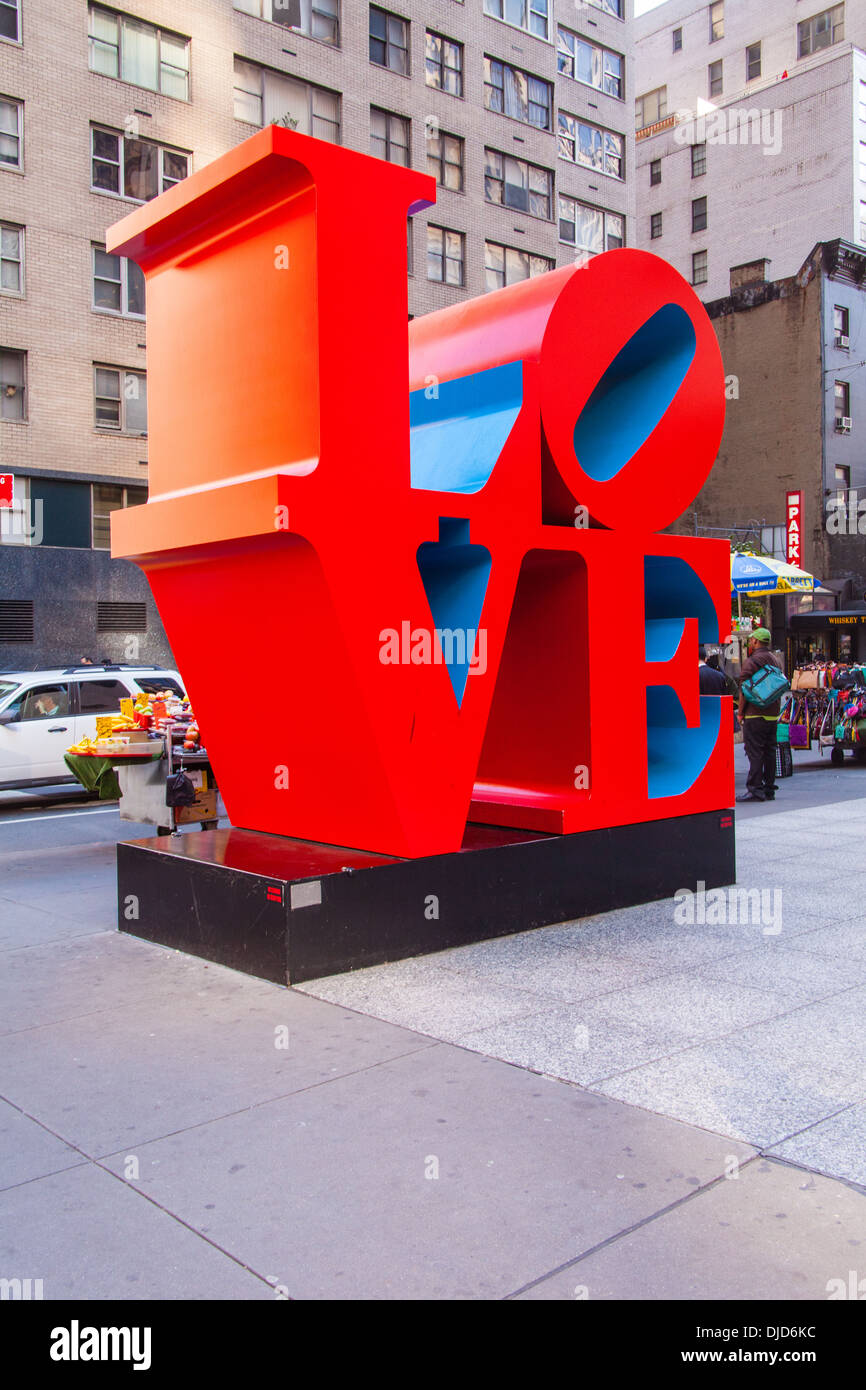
(771, 1232)
(795, 971)
(807, 905)
(94, 905)
(134, 1073)
(88, 1236)
(28, 1151)
(764, 1085)
(66, 979)
(806, 869)
(844, 942)
(836, 1145)
(426, 996)
(565, 1042)
(652, 935)
(335, 1189)
(27, 926)
(548, 963)
(686, 1005)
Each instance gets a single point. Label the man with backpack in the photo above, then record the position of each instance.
(762, 685)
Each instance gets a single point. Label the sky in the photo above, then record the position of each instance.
(641, 6)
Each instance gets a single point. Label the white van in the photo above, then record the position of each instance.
(42, 713)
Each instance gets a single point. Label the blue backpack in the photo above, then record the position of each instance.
(766, 686)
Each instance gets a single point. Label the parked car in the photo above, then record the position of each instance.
(42, 713)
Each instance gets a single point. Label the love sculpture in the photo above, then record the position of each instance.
(439, 561)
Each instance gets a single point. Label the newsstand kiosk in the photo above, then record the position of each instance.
(476, 704)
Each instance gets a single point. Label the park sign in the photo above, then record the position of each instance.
(793, 527)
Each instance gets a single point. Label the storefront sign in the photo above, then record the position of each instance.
(793, 527)
(6, 486)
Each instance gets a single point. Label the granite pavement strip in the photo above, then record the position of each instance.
(620, 1108)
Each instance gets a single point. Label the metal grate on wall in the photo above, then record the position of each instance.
(16, 620)
(121, 617)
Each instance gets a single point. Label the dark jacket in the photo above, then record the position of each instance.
(711, 681)
(762, 656)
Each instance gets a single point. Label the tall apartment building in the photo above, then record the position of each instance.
(750, 133)
(522, 109)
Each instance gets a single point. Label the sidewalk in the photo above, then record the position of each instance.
(699, 1131)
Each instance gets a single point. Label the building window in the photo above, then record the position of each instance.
(699, 268)
(862, 220)
(699, 160)
(118, 285)
(841, 337)
(717, 21)
(651, 107)
(613, 7)
(863, 161)
(120, 400)
(108, 498)
(266, 97)
(821, 31)
(445, 160)
(10, 20)
(842, 479)
(655, 172)
(446, 255)
(699, 214)
(590, 229)
(140, 53)
(444, 64)
(513, 183)
(714, 74)
(678, 40)
(753, 62)
(518, 95)
(134, 169)
(505, 265)
(320, 19)
(590, 145)
(11, 258)
(531, 15)
(389, 40)
(861, 105)
(588, 63)
(655, 225)
(389, 136)
(11, 126)
(842, 393)
(13, 383)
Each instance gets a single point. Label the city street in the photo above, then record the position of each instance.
(619, 1108)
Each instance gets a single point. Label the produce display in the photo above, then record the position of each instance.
(147, 720)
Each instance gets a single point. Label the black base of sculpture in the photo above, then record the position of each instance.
(290, 910)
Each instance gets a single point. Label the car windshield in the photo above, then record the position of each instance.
(6, 688)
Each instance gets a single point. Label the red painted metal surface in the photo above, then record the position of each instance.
(282, 525)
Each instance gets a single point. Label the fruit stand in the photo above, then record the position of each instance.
(134, 756)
